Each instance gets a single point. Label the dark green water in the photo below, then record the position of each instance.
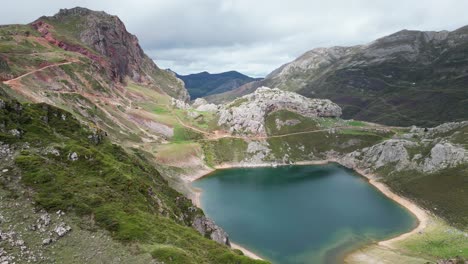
(300, 214)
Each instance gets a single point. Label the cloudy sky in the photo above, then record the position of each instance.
(252, 36)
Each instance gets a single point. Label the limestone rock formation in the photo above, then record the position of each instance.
(444, 155)
(201, 104)
(391, 151)
(396, 152)
(207, 227)
(246, 115)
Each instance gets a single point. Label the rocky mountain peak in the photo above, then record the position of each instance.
(80, 11)
(107, 35)
(106, 40)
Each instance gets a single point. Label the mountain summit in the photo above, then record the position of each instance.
(104, 39)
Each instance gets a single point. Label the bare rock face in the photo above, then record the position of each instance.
(62, 229)
(248, 116)
(389, 152)
(179, 104)
(258, 151)
(201, 104)
(116, 50)
(444, 155)
(207, 227)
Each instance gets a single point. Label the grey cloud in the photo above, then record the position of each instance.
(253, 37)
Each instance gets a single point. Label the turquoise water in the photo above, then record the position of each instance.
(300, 214)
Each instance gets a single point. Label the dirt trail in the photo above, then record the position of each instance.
(214, 135)
(8, 82)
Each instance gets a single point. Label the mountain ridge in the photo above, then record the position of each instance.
(409, 77)
(204, 83)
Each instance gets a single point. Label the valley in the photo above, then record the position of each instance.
(100, 148)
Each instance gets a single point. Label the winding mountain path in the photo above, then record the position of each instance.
(8, 82)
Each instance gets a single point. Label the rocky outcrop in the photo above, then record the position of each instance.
(208, 228)
(391, 151)
(246, 115)
(257, 151)
(444, 155)
(432, 152)
(106, 40)
(290, 122)
(179, 104)
(201, 104)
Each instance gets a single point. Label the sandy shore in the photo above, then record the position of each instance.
(421, 215)
(245, 251)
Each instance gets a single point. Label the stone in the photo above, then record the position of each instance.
(291, 122)
(208, 108)
(258, 151)
(15, 132)
(5, 151)
(444, 155)
(179, 104)
(47, 241)
(198, 102)
(392, 151)
(249, 116)
(62, 229)
(206, 226)
(44, 219)
(73, 156)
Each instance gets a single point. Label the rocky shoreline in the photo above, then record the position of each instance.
(421, 215)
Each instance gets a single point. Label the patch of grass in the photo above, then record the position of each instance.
(160, 110)
(174, 152)
(356, 132)
(288, 122)
(182, 133)
(356, 123)
(312, 146)
(444, 192)
(439, 241)
(224, 150)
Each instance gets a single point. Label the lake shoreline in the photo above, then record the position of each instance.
(421, 215)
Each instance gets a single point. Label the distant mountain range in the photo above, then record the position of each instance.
(409, 77)
(203, 84)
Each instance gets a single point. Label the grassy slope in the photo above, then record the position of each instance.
(107, 187)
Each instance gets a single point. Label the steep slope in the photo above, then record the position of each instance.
(204, 84)
(52, 163)
(407, 78)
